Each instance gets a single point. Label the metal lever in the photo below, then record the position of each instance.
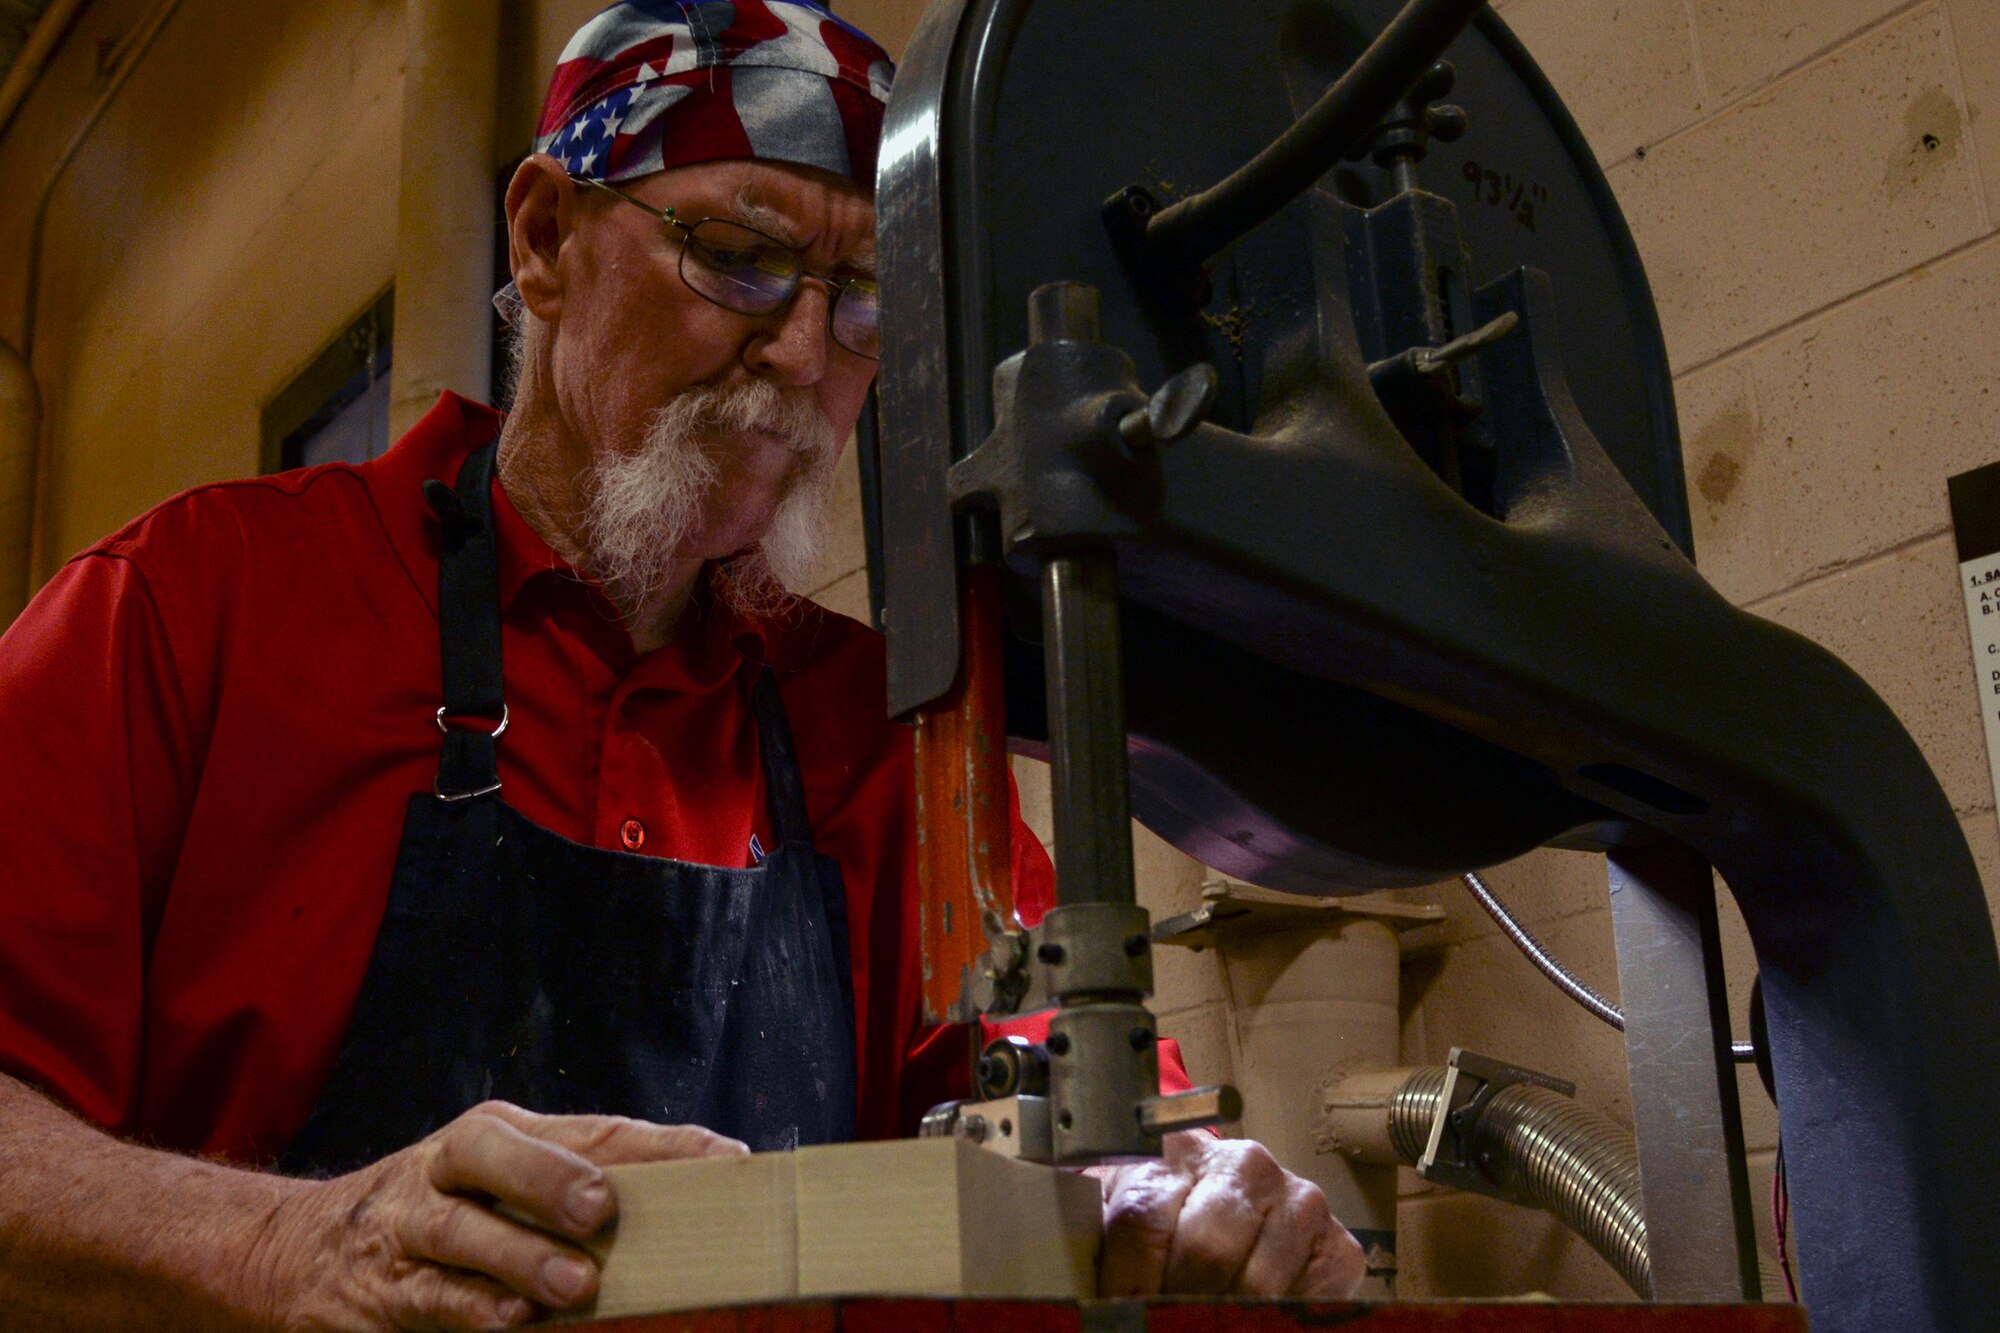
(1176, 408)
(1430, 360)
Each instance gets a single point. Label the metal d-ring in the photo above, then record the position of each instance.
(496, 733)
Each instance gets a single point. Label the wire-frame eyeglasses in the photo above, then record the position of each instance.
(743, 269)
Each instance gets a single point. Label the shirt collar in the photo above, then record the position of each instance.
(716, 642)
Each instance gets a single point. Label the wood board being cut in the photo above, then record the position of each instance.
(914, 1217)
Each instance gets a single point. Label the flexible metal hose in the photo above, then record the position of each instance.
(1541, 1149)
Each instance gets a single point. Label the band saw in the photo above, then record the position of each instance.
(1276, 434)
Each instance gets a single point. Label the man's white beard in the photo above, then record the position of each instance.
(641, 506)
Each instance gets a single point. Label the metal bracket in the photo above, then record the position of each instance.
(1016, 1126)
(1471, 1081)
(1242, 909)
(1000, 981)
(1016, 1119)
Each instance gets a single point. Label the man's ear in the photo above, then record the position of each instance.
(542, 208)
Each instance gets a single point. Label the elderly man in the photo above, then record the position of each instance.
(441, 842)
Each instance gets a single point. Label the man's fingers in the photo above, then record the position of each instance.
(483, 1152)
(1336, 1268)
(432, 1298)
(460, 1234)
(1287, 1243)
(611, 1140)
(1140, 1216)
(1219, 1225)
(621, 1141)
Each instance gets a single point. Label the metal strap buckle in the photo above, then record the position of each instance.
(496, 733)
(442, 795)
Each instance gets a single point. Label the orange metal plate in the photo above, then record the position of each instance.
(965, 863)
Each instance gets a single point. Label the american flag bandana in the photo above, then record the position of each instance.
(652, 84)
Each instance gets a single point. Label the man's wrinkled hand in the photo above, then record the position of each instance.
(418, 1240)
(1221, 1217)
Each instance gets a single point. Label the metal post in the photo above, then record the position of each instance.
(1087, 729)
(1086, 687)
(1684, 1110)
(1104, 1065)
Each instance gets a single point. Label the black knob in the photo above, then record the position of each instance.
(1408, 132)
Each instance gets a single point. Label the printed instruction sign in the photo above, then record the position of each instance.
(1975, 521)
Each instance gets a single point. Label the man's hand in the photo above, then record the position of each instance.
(1220, 1216)
(413, 1242)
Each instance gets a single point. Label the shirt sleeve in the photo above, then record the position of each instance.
(95, 789)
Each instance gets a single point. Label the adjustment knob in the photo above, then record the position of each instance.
(1406, 134)
(1176, 408)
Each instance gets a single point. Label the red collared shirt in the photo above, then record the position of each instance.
(213, 720)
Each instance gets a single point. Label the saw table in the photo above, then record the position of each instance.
(1209, 1316)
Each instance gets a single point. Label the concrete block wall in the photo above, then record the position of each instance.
(1812, 185)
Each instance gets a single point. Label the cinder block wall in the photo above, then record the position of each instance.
(1813, 185)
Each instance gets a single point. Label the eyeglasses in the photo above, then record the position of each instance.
(742, 269)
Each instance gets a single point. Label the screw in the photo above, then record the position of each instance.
(1140, 1039)
(973, 1128)
(1135, 945)
(1052, 954)
(1065, 1120)
(1058, 1043)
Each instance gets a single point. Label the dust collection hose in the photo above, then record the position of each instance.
(1543, 1150)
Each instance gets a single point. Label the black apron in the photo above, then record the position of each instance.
(514, 963)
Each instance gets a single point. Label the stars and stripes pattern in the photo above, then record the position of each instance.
(651, 84)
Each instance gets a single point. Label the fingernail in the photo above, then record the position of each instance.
(513, 1311)
(565, 1277)
(589, 1204)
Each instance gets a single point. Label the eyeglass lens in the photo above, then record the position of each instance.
(748, 272)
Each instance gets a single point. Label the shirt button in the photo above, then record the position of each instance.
(633, 834)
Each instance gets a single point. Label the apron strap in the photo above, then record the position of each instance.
(474, 713)
(783, 786)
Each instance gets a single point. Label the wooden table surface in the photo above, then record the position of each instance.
(1209, 1316)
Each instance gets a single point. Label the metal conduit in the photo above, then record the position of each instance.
(1543, 1150)
(1743, 1052)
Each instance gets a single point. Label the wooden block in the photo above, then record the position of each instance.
(936, 1217)
(716, 1231)
(917, 1217)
